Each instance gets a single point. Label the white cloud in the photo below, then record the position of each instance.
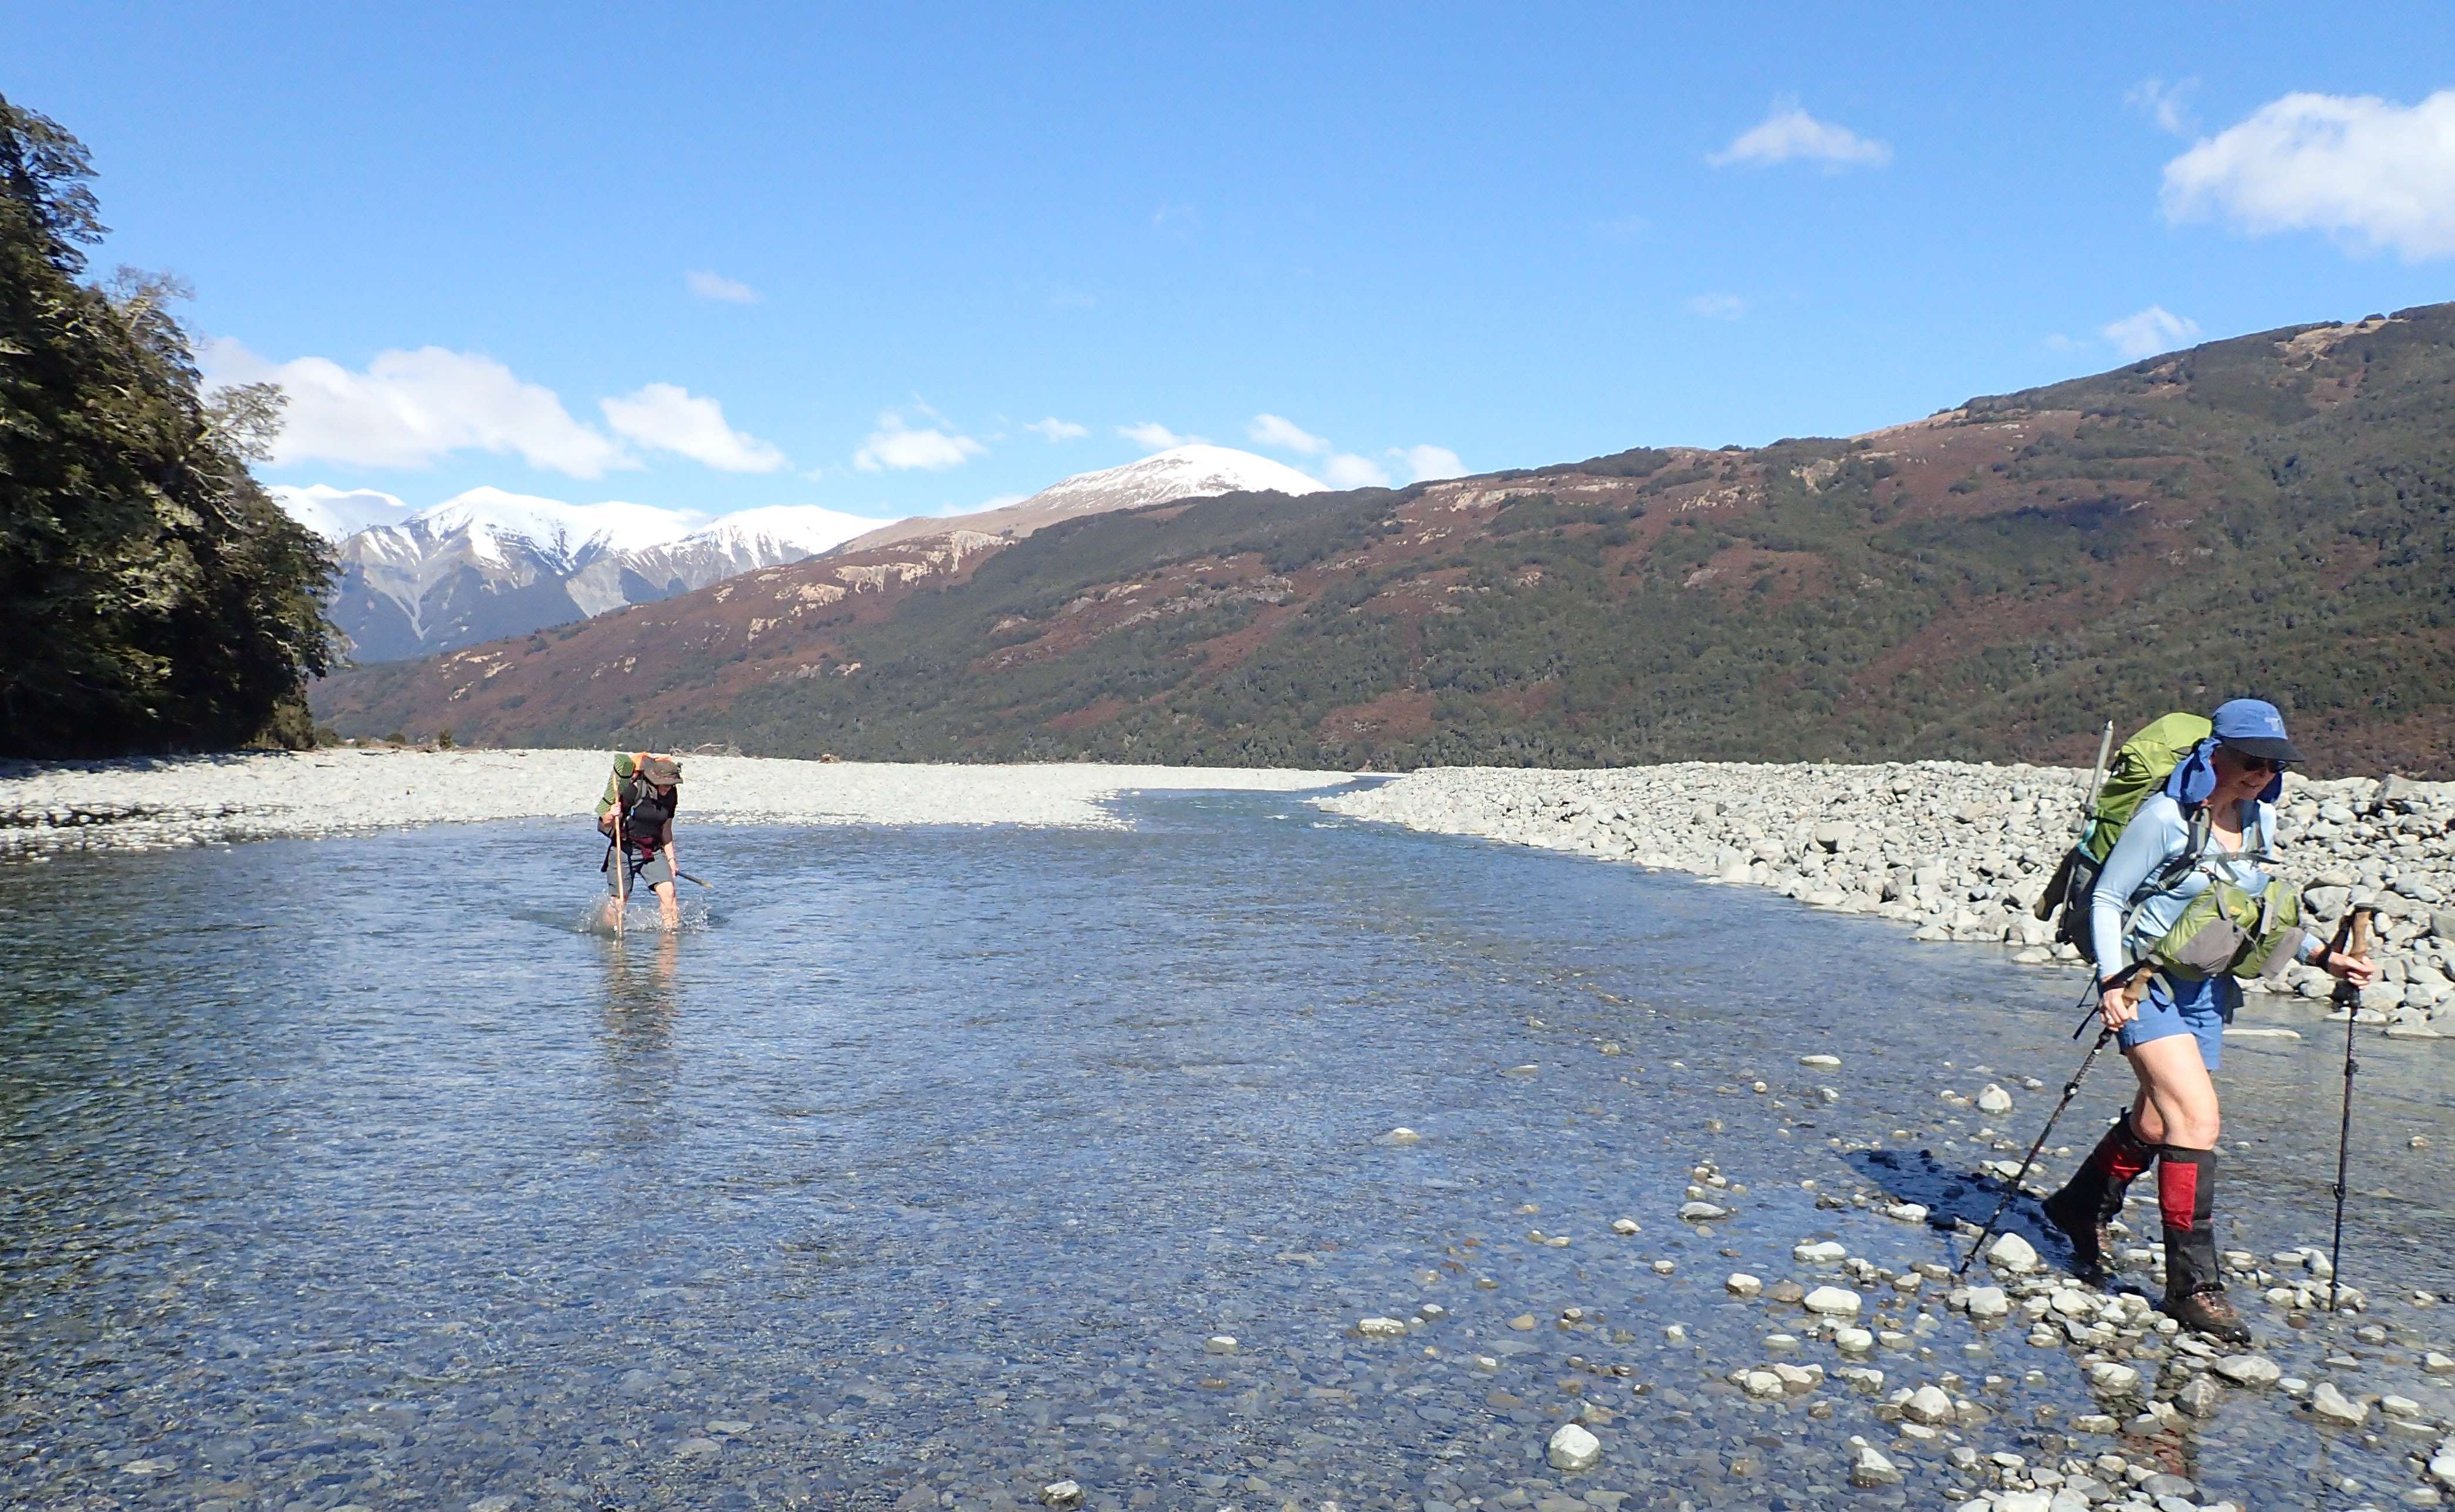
(1717, 307)
(1155, 435)
(893, 446)
(408, 408)
(716, 286)
(1790, 132)
(1347, 470)
(2152, 330)
(1056, 429)
(1277, 429)
(666, 416)
(2370, 172)
(1425, 462)
(2162, 103)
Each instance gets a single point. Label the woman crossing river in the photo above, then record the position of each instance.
(2210, 824)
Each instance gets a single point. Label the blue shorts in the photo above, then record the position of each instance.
(2200, 1009)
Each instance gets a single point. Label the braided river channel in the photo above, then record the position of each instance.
(931, 1167)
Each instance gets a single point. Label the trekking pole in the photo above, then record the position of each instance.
(2071, 1089)
(2053, 896)
(2353, 937)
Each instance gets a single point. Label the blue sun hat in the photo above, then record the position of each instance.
(2251, 726)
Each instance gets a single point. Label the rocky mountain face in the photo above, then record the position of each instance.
(487, 563)
(2271, 516)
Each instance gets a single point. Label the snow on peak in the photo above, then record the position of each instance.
(487, 515)
(1183, 472)
(805, 528)
(337, 512)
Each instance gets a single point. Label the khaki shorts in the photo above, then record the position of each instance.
(652, 873)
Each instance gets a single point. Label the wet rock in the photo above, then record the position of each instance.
(1382, 1328)
(1739, 1283)
(1820, 1252)
(1625, 1226)
(2111, 1378)
(2334, 1406)
(1061, 1494)
(1832, 1301)
(2012, 1253)
(1994, 1100)
(1822, 1062)
(1853, 1340)
(1988, 1302)
(2199, 1397)
(1701, 1213)
(1220, 1344)
(1573, 1448)
(1929, 1405)
(1400, 1136)
(1868, 1467)
(2248, 1370)
(1786, 1292)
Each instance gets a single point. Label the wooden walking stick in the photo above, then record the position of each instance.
(621, 866)
(2353, 938)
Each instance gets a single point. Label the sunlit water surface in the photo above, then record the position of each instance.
(917, 1169)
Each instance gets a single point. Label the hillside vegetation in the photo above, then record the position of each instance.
(2272, 514)
(171, 604)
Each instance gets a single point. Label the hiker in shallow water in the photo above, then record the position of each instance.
(2210, 824)
(642, 795)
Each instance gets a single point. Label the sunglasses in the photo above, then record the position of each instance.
(2252, 763)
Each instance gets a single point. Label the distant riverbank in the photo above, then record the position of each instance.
(1958, 850)
(195, 800)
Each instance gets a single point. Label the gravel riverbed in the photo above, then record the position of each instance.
(1961, 851)
(196, 800)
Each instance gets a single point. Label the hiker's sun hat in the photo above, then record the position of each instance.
(2254, 727)
(664, 771)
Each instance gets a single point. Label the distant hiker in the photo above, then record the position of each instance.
(638, 807)
(2185, 893)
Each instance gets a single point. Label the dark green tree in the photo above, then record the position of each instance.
(161, 600)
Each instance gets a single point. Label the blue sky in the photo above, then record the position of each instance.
(1509, 235)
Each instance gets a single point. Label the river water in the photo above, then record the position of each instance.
(917, 1169)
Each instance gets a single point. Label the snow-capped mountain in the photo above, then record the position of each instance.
(489, 563)
(1185, 472)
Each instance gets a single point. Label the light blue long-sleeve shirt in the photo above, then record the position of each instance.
(2156, 834)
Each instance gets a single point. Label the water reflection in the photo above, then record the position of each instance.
(929, 1170)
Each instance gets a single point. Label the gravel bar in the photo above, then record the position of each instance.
(196, 800)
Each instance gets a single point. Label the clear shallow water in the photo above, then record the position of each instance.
(922, 1162)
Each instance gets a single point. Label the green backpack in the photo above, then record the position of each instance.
(2138, 769)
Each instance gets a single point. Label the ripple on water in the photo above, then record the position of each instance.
(356, 1172)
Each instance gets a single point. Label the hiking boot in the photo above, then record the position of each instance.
(2084, 1222)
(2089, 1200)
(2207, 1310)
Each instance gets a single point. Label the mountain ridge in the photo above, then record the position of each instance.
(2271, 513)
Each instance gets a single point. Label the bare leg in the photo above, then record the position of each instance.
(2176, 1102)
(669, 907)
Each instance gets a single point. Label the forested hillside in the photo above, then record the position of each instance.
(2272, 514)
(161, 600)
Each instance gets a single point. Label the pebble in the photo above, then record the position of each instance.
(1994, 1100)
(1988, 1302)
(1822, 1062)
(1062, 1494)
(2335, 1406)
(1868, 1467)
(2249, 1370)
(1832, 1301)
(1573, 1448)
(1224, 1344)
(1739, 1283)
(2199, 1397)
(1383, 1328)
(2013, 1253)
(1626, 1226)
(1820, 1252)
(1928, 1404)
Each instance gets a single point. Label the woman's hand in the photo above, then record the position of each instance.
(2117, 1008)
(2358, 970)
